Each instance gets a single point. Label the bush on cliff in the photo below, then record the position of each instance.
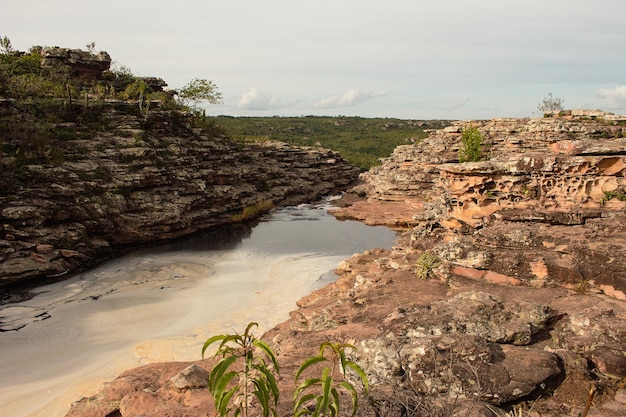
(471, 145)
(550, 104)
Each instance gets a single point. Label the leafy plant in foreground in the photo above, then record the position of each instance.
(234, 389)
(323, 392)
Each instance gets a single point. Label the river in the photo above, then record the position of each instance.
(161, 304)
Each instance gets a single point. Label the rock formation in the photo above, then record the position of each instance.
(546, 205)
(79, 64)
(522, 308)
(141, 179)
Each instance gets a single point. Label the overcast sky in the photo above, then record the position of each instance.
(444, 59)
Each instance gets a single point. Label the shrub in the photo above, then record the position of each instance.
(471, 143)
(426, 265)
(253, 211)
(199, 90)
(550, 104)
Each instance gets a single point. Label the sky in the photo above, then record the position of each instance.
(409, 59)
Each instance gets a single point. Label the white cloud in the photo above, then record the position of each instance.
(351, 98)
(614, 97)
(253, 99)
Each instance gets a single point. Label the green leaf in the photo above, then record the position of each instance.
(222, 397)
(262, 394)
(307, 363)
(268, 351)
(360, 372)
(222, 384)
(298, 408)
(270, 381)
(355, 398)
(334, 404)
(327, 384)
(218, 371)
(249, 327)
(210, 341)
(306, 384)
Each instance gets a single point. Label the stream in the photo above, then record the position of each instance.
(161, 304)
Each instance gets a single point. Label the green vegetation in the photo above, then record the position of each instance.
(43, 107)
(550, 104)
(323, 391)
(254, 378)
(248, 371)
(361, 141)
(197, 91)
(253, 211)
(610, 195)
(426, 265)
(471, 145)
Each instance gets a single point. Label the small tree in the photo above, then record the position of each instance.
(471, 142)
(199, 90)
(550, 104)
(5, 45)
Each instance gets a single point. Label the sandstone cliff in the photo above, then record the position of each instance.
(129, 178)
(522, 308)
(545, 205)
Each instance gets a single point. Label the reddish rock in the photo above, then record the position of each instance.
(519, 312)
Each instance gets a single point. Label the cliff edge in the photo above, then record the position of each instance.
(504, 295)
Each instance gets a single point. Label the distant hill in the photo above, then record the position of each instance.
(361, 141)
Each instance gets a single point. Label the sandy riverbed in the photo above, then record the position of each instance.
(156, 306)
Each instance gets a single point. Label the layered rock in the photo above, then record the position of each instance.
(546, 204)
(79, 64)
(144, 180)
(523, 309)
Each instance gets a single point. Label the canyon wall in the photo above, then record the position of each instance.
(140, 179)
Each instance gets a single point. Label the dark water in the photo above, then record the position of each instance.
(304, 228)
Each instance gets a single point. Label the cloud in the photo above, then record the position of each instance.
(614, 97)
(461, 102)
(254, 99)
(351, 98)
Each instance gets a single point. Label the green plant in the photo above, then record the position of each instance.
(199, 90)
(583, 286)
(426, 264)
(253, 211)
(323, 391)
(234, 389)
(360, 141)
(471, 145)
(610, 195)
(5, 45)
(550, 104)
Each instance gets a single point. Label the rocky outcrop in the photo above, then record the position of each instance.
(521, 310)
(79, 64)
(545, 206)
(142, 180)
